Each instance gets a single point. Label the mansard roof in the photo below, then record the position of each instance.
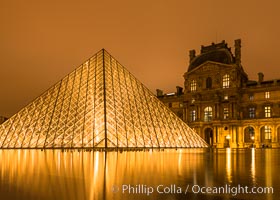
(215, 52)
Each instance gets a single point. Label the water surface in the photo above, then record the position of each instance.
(169, 174)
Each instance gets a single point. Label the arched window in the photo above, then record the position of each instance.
(226, 81)
(249, 134)
(209, 83)
(208, 114)
(193, 85)
(267, 132)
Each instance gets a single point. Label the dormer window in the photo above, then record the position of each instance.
(267, 95)
(226, 81)
(193, 85)
(251, 97)
(209, 83)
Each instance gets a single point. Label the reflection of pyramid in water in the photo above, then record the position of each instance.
(100, 104)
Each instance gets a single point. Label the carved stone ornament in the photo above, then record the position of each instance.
(208, 67)
(233, 75)
(218, 78)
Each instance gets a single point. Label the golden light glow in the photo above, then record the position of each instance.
(253, 166)
(100, 104)
(88, 175)
(228, 165)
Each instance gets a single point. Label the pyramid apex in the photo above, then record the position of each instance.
(103, 51)
(98, 105)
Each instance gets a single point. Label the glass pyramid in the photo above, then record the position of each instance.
(99, 104)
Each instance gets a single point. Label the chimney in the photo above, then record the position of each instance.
(237, 45)
(159, 93)
(260, 74)
(192, 55)
(179, 90)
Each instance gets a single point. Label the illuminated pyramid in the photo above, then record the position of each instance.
(100, 104)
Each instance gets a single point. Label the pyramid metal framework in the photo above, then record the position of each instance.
(99, 104)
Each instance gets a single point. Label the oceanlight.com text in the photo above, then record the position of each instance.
(195, 189)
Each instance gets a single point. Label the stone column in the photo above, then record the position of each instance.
(220, 142)
(240, 137)
(198, 113)
(274, 137)
(232, 111)
(277, 136)
(234, 138)
(214, 137)
(231, 136)
(185, 115)
(257, 137)
(217, 111)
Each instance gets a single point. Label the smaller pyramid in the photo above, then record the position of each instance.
(98, 105)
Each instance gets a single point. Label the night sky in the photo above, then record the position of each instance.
(42, 41)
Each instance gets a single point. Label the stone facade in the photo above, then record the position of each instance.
(222, 105)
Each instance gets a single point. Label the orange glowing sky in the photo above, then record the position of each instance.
(42, 41)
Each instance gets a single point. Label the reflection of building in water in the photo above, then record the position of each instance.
(35, 174)
(228, 165)
(98, 105)
(222, 105)
(73, 175)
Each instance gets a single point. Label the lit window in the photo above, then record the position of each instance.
(267, 95)
(209, 83)
(267, 111)
(226, 112)
(193, 115)
(267, 132)
(208, 114)
(252, 112)
(193, 85)
(251, 132)
(251, 97)
(226, 81)
(225, 97)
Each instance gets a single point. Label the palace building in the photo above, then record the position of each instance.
(222, 104)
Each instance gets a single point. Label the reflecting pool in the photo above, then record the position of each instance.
(170, 174)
